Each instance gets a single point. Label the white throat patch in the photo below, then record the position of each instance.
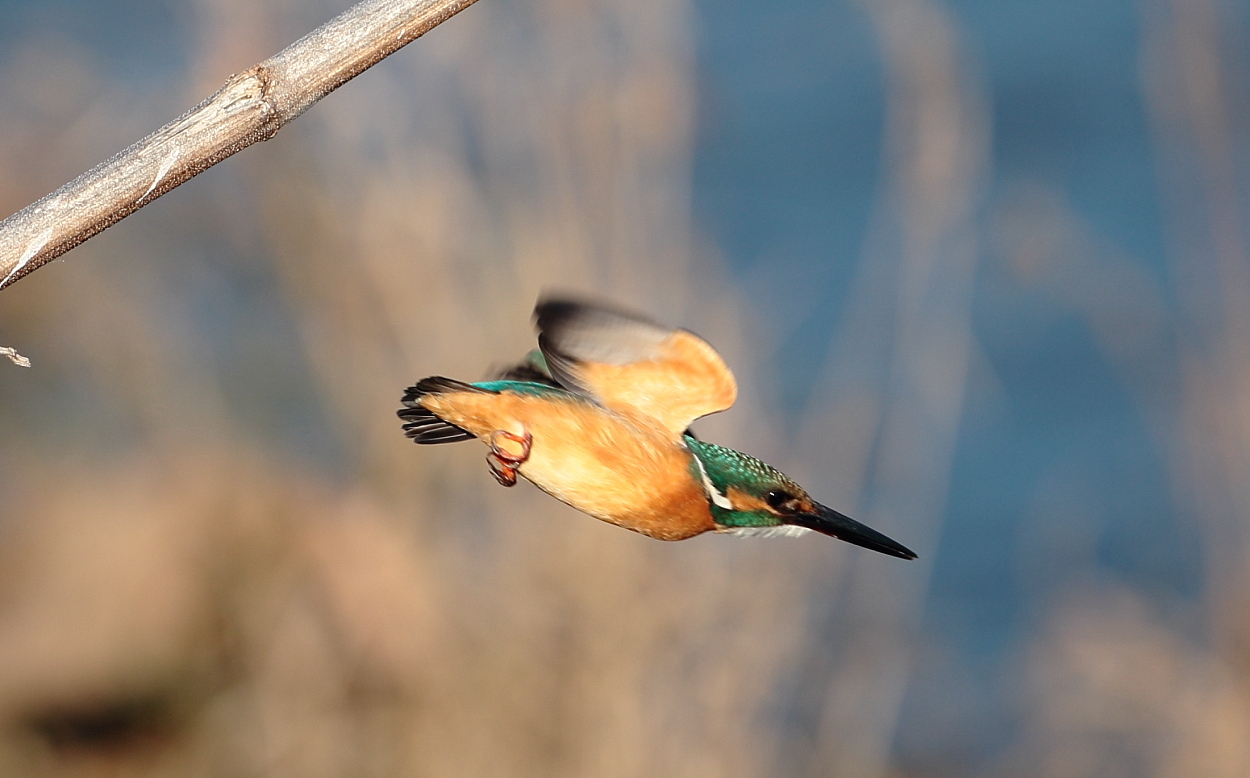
(779, 531)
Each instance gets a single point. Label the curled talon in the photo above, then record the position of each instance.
(503, 463)
(504, 473)
(524, 441)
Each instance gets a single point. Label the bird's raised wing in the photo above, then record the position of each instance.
(632, 364)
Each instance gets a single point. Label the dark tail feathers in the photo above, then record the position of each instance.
(422, 425)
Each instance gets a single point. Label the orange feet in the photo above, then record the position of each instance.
(503, 462)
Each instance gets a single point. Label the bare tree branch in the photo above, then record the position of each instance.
(249, 107)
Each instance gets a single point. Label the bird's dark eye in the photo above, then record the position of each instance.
(782, 501)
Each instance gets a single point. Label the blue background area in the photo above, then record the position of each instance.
(791, 113)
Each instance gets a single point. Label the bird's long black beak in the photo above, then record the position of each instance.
(827, 521)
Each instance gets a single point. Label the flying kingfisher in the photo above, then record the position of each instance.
(598, 417)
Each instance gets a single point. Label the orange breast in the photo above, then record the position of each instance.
(623, 469)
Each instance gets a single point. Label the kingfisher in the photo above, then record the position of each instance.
(598, 416)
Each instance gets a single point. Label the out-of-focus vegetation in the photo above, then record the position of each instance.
(218, 555)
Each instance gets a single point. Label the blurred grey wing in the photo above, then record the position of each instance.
(630, 364)
(573, 335)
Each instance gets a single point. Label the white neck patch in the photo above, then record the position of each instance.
(713, 494)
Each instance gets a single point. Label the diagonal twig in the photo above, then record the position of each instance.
(249, 107)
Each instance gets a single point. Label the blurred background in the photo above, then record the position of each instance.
(981, 269)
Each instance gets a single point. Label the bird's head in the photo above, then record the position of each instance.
(750, 497)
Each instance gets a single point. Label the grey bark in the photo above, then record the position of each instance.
(249, 107)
